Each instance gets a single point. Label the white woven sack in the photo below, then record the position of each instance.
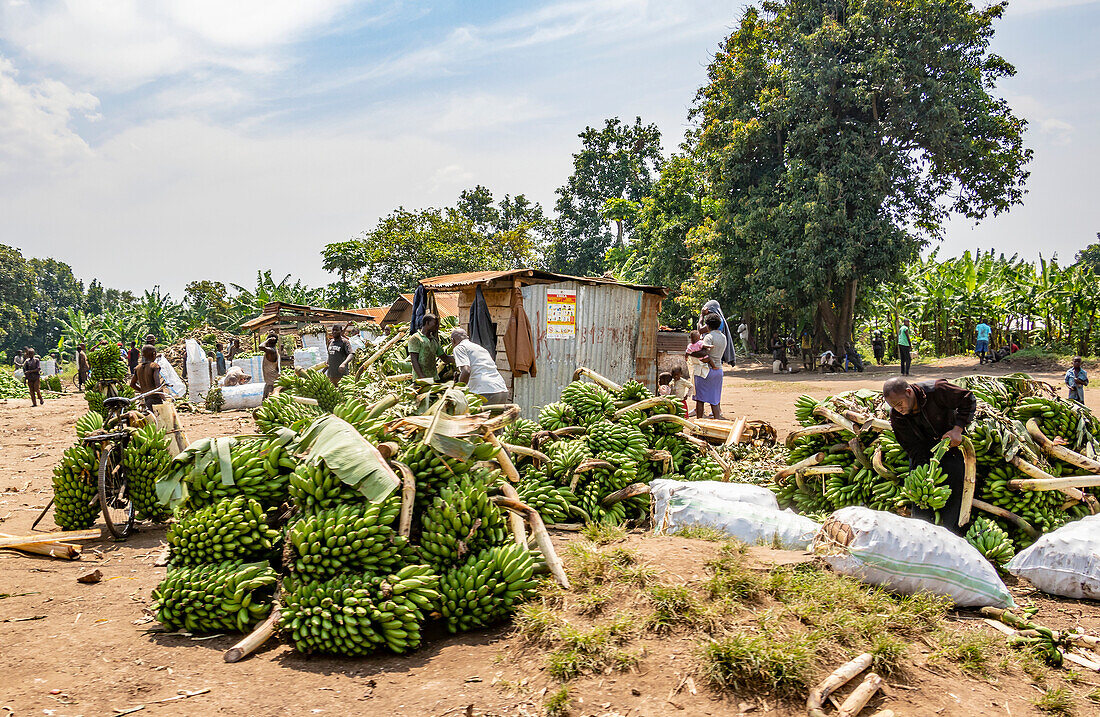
(249, 395)
(1064, 562)
(747, 522)
(909, 556)
(662, 489)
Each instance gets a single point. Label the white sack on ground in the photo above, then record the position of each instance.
(909, 556)
(747, 522)
(1064, 562)
(662, 489)
(248, 395)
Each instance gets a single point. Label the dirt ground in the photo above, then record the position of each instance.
(87, 649)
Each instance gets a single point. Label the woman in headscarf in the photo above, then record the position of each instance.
(712, 307)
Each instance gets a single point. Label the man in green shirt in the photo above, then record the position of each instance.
(425, 349)
(905, 348)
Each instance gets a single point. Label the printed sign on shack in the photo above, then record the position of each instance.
(561, 314)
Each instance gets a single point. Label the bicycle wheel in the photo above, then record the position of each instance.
(114, 493)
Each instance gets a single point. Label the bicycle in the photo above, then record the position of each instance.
(112, 486)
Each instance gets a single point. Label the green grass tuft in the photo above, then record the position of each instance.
(601, 534)
(887, 651)
(765, 663)
(594, 600)
(731, 579)
(558, 703)
(702, 532)
(591, 651)
(970, 649)
(1056, 701)
(672, 605)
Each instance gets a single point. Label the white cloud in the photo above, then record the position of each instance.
(35, 131)
(481, 110)
(1025, 7)
(120, 44)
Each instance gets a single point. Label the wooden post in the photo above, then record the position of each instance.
(257, 637)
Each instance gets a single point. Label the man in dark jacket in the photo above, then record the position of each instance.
(923, 414)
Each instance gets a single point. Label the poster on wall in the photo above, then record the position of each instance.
(561, 314)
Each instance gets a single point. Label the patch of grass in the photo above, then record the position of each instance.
(594, 600)
(601, 534)
(887, 651)
(595, 650)
(750, 663)
(537, 623)
(672, 605)
(731, 579)
(591, 565)
(1056, 701)
(1094, 696)
(558, 703)
(702, 532)
(971, 650)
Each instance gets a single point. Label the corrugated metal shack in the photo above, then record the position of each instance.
(605, 325)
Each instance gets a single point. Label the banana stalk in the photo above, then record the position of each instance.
(597, 379)
(1060, 452)
(970, 474)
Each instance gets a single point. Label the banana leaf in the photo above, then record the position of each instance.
(353, 459)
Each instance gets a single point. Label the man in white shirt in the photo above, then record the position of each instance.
(477, 369)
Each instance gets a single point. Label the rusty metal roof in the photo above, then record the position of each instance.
(532, 276)
(280, 311)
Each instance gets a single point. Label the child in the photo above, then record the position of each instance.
(696, 366)
(682, 388)
(664, 384)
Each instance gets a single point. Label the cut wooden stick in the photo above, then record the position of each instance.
(640, 406)
(1038, 473)
(408, 497)
(632, 490)
(502, 459)
(801, 465)
(542, 538)
(860, 696)
(828, 470)
(62, 551)
(970, 477)
(597, 379)
(515, 520)
(380, 352)
(817, 430)
(14, 541)
(1007, 515)
(1062, 453)
(1053, 483)
(840, 677)
(257, 637)
(525, 451)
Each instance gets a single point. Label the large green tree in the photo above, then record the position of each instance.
(616, 162)
(836, 138)
(18, 297)
(1090, 255)
(344, 258)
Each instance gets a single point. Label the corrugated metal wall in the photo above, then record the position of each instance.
(607, 334)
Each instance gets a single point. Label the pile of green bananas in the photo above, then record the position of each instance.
(218, 597)
(565, 456)
(633, 391)
(10, 386)
(487, 587)
(369, 420)
(352, 615)
(925, 486)
(145, 460)
(550, 500)
(804, 410)
(520, 432)
(89, 423)
(232, 529)
(461, 520)
(282, 411)
(706, 467)
(991, 540)
(95, 396)
(261, 470)
(310, 384)
(75, 491)
(346, 539)
(557, 415)
(1058, 417)
(313, 487)
(590, 402)
(106, 364)
(432, 471)
(52, 383)
(606, 437)
(214, 399)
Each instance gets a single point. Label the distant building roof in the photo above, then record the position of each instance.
(527, 276)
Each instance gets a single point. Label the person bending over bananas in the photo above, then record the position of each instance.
(922, 415)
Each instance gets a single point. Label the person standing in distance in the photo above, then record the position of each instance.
(923, 414)
(981, 345)
(905, 347)
(1076, 380)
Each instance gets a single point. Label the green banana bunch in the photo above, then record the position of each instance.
(310, 384)
(432, 471)
(90, 422)
(991, 540)
(346, 539)
(282, 411)
(683, 451)
(351, 615)
(590, 402)
(553, 416)
(232, 529)
(520, 432)
(217, 597)
(925, 486)
(633, 391)
(565, 456)
(804, 410)
(94, 397)
(705, 467)
(261, 470)
(607, 437)
(460, 521)
(75, 491)
(487, 587)
(145, 460)
(106, 364)
(313, 488)
(550, 500)
(367, 419)
(849, 488)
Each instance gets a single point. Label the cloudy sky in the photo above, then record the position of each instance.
(154, 142)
